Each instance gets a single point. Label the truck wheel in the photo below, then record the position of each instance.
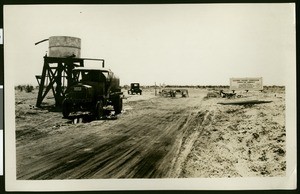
(66, 109)
(140, 92)
(99, 112)
(118, 105)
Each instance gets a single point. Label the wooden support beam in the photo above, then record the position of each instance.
(58, 71)
(41, 85)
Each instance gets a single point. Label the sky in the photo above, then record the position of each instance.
(179, 44)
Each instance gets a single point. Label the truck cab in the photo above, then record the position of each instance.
(92, 90)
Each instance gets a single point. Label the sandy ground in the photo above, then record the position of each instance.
(154, 137)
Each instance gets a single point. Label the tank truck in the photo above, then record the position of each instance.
(93, 90)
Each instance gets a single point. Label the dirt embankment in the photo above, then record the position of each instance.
(154, 137)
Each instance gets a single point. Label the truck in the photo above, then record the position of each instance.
(93, 90)
(135, 89)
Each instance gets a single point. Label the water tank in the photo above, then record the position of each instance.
(114, 82)
(64, 46)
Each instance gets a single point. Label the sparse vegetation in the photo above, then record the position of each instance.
(27, 88)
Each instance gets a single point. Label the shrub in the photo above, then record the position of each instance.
(29, 88)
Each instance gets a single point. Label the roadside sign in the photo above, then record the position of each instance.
(246, 83)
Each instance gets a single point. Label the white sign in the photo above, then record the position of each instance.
(246, 83)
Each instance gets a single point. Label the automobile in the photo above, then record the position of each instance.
(135, 89)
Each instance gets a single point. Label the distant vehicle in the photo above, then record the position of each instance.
(227, 95)
(168, 92)
(135, 89)
(93, 90)
(184, 92)
(173, 92)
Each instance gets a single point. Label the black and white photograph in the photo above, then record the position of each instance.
(150, 96)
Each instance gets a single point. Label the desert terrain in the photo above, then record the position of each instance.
(154, 137)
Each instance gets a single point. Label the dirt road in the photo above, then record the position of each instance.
(143, 142)
(154, 137)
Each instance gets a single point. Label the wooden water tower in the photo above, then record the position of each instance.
(57, 75)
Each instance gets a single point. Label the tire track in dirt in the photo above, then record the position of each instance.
(70, 162)
(191, 132)
(139, 145)
(153, 144)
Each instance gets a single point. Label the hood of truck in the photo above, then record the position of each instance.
(81, 86)
(80, 92)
